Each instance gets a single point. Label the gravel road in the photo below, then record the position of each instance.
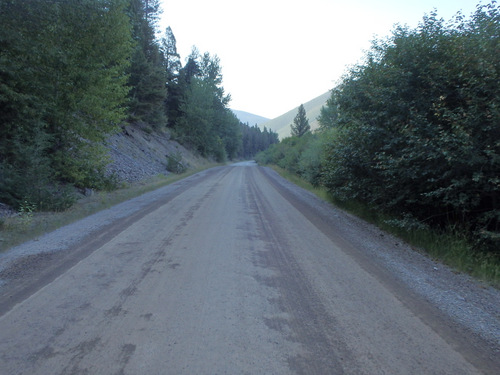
(234, 270)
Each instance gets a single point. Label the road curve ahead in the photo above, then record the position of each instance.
(228, 274)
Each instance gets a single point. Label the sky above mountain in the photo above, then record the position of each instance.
(277, 54)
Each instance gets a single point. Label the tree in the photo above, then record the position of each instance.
(173, 68)
(328, 115)
(255, 140)
(172, 58)
(300, 124)
(148, 76)
(203, 119)
(417, 126)
(62, 90)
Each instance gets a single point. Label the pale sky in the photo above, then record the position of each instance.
(278, 54)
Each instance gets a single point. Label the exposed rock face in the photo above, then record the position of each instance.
(137, 154)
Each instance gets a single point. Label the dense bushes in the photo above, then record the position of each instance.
(415, 129)
(300, 155)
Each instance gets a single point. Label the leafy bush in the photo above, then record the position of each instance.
(299, 155)
(418, 126)
(310, 160)
(174, 163)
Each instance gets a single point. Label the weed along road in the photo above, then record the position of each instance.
(230, 271)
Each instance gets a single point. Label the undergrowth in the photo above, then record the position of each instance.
(29, 225)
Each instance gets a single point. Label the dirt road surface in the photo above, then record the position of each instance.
(226, 272)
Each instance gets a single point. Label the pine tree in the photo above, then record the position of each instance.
(174, 85)
(300, 124)
(172, 58)
(147, 73)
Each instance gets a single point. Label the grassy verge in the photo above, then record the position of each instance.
(449, 247)
(292, 177)
(30, 225)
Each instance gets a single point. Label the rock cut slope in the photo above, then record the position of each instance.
(137, 154)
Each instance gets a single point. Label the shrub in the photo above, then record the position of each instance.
(174, 163)
(418, 126)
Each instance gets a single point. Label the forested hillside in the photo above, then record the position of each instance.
(74, 72)
(414, 130)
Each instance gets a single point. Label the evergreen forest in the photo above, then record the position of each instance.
(73, 72)
(413, 130)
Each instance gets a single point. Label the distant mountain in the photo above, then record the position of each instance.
(281, 124)
(249, 118)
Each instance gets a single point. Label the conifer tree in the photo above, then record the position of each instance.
(300, 124)
(147, 72)
(172, 58)
(173, 68)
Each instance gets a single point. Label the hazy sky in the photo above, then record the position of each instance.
(277, 54)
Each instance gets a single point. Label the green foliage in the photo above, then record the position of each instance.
(70, 72)
(310, 161)
(413, 131)
(26, 211)
(255, 140)
(328, 116)
(62, 90)
(175, 163)
(417, 126)
(148, 71)
(229, 133)
(195, 126)
(198, 112)
(299, 155)
(300, 125)
(172, 67)
(203, 119)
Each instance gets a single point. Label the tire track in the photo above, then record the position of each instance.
(309, 321)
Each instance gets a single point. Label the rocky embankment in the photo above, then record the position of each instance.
(137, 154)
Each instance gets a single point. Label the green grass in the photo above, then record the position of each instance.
(28, 226)
(449, 247)
(292, 177)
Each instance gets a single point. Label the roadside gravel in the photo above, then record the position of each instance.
(472, 304)
(24, 260)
